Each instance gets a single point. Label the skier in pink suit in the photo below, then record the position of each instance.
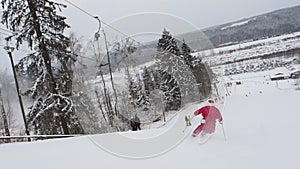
(208, 124)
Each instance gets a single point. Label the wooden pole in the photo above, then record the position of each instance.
(19, 94)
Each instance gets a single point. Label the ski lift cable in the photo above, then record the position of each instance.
(89, 14)
(5, 30)
(101, 21)
(74, 5)
(97, 34)
(28, 51)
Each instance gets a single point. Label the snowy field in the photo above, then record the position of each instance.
(250, 49)
(261, 122)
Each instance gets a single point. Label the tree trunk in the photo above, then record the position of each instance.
(4, 117)
(45, 52)
(100, 106)
(64, 124)
(46, 56)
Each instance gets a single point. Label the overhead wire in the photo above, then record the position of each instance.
(81, 56)
(96, 17)
(87, 13)
(28, 51)
(74, 5)
(6, 30)
(97, 33)
(82, 10)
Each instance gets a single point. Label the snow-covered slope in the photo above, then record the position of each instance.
(260, 120)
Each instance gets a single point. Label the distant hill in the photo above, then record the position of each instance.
(275, 23)
(279, 22)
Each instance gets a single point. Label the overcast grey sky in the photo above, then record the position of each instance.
(201, 13)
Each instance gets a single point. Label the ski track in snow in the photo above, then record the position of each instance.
(261, 121)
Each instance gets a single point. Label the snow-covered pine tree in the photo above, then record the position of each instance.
(143, 100)
(148, 85)
(148, 80)
(169, 60)
(203, 75)
(171, 91)
(49, 67)
(168, 43)
(134, 89)
(186, 54)
(200, 71)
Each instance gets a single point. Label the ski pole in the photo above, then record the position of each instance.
(184, 129)
(223, 132)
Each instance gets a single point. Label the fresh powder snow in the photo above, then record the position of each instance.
(260, 123)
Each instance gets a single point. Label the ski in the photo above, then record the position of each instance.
(203, 138)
